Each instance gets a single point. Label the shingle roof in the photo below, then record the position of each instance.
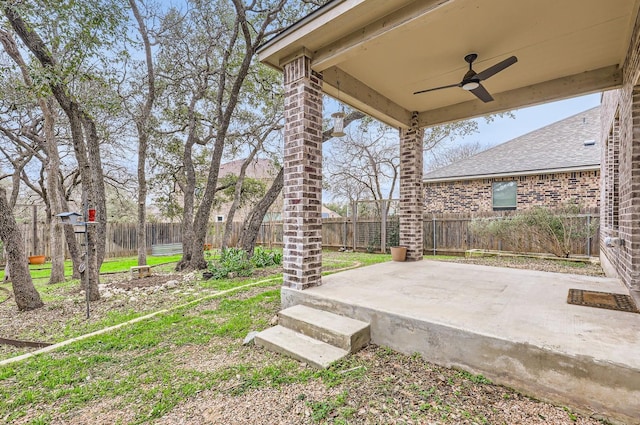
(258, 169)
(559, 145)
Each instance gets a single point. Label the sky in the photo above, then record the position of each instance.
(528, 119)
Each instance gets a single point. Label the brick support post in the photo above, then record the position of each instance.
(302, 254)
(631, 212)
(411, 192)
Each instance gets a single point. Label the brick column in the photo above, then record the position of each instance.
(302, 254)
(631, 212)
(411, 192)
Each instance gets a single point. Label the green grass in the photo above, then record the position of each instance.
(110, 265)
(137, 366)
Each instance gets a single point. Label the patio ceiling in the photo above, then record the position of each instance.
(378, 52)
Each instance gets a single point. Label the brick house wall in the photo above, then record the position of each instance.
(551, 190)
(620, 212)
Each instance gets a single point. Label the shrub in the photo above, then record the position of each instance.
(232, 261)
(265, 257)
(235, 262)
(539, 228)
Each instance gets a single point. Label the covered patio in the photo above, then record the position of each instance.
(383, 58)
(513, 326)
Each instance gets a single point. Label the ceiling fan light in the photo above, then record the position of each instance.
(470, 85)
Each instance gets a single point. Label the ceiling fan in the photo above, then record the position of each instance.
(471, 80)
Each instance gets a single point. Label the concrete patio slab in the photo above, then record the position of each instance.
(513, 326)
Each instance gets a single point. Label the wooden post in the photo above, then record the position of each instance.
(35, 229)
(354, 216)
(434, 235)
(588, 234)
(383, 227)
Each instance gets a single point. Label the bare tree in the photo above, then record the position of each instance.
(237, 197)
(251, 225)
(438, 158)
(365, 163)
(47, 143)
(142, 118)
(85, 139)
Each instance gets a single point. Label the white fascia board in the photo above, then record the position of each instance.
(514, 174)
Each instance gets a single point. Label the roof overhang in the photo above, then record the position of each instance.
(594, 167)
(374, 54)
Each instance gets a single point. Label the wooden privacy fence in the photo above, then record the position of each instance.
(448, 234)
(451, 235)
(122, 239)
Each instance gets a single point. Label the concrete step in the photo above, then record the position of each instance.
(340, 331)
(301, 347)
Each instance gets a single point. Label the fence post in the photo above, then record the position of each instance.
(435, 250)
(344, 232)
(383, 227)
(589, 235)
(354, 215)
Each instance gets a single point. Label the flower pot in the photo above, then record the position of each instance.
(37, 259)
(398, 253)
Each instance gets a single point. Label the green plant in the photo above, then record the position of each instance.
(265, 257)
(476, 379)
(232, 262)
(323, 409)
(235, 262)
(540, 229)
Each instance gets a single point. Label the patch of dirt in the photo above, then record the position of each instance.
(120, 293)
(284, 405)
(386, 388)
(145, 282)
(540, 264)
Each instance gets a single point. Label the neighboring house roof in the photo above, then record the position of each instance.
(257, 169)
(557, 147)
(328, 213)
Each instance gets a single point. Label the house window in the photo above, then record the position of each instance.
(219, 218)
(504, 195)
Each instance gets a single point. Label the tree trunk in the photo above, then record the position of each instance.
(70, 237)
(228, 226)
(201, 220)
(187, 213)
(26, 296)
(251, 226)
(142, 125)
(141, 230)
(53, 170)
(189, 189)
(97, 193)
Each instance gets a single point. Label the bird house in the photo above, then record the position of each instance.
(73, 219)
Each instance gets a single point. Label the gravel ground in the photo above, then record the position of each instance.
(545, 265)
(381, 387)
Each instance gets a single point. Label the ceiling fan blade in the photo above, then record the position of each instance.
(492, 70)
(482, 94)
(438, 88)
